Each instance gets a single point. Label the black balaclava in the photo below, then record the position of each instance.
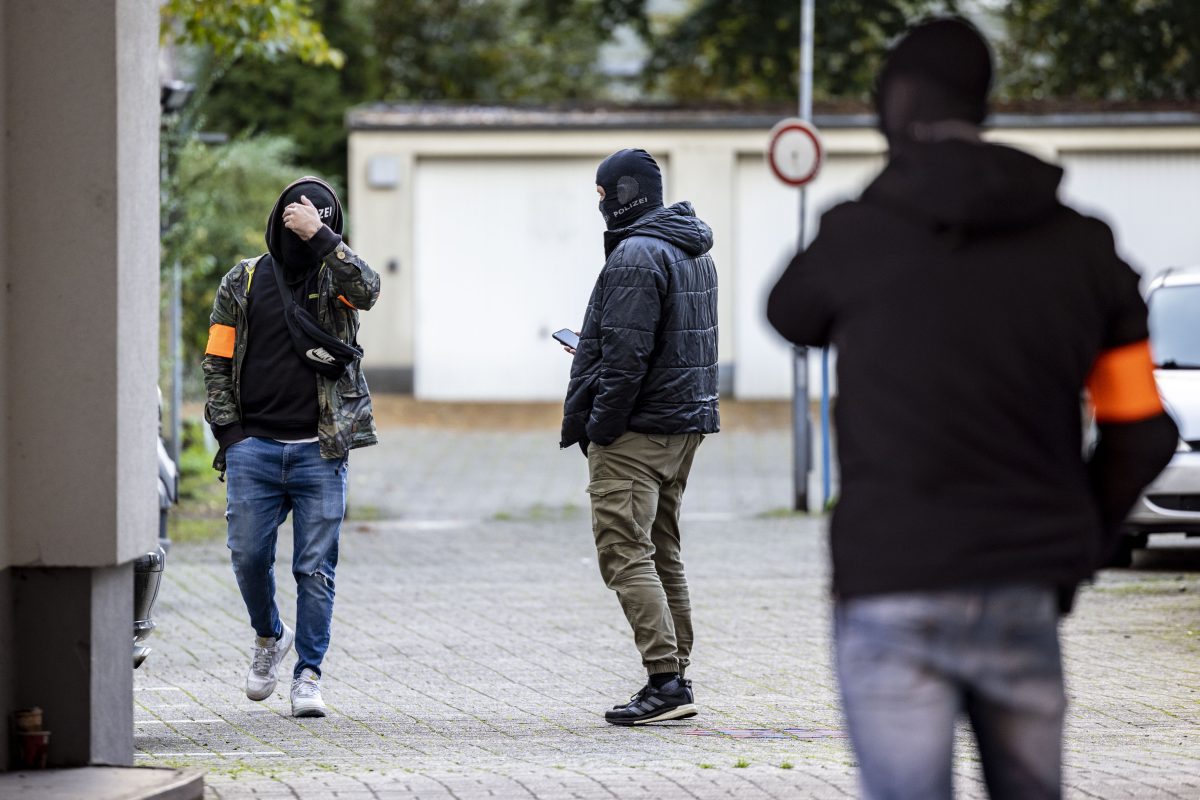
(941, 70)
(632, 186)
(295, 255)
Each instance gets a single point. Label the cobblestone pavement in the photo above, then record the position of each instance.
(475, 647)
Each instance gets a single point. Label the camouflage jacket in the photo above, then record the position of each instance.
(346, 286)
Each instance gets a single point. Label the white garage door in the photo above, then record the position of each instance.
(766, 238)
(506, 253)
(1149, 199)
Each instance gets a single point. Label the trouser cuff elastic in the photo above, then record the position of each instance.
(659, 667)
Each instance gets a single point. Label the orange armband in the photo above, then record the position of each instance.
(221, 339)
(1122, 384)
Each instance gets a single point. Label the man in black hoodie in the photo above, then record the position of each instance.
(970, 309)
(284, 430)
(642, 394)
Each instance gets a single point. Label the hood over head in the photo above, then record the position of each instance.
(677, 224)
(940, 70)
(285, 247)
(632, 184)
(966, 186)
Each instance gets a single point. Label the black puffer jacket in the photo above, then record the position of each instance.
(647, 355)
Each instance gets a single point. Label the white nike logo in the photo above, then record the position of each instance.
(320, 354)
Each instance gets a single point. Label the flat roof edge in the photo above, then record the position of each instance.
(476, 119)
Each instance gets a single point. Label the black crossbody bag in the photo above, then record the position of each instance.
(325, 354)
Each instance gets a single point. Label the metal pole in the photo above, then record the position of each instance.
(826, 444)
(176, 360)
(808, 26)
(806, 59)
(801, 424)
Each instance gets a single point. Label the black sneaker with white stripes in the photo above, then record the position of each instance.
(672, 700)
(640, 694)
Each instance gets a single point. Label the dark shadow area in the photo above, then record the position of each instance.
(1169, 553)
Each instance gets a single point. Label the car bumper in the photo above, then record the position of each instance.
(1172, 502)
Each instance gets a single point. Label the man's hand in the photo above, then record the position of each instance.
(302, 219)
(571, 350)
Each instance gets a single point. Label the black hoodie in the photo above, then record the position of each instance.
(968, 307)
(278, 389)
(647, 354)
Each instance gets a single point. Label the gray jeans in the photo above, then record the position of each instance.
(910, 664)
(636, 489)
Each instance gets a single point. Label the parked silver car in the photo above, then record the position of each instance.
(1171, 504)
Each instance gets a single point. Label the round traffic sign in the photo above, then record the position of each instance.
(794, 151)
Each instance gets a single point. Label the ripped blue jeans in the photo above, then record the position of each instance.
(265, 480)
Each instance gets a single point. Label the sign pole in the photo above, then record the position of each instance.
(801, 424)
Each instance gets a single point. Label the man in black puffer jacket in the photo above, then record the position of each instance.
(643, 393)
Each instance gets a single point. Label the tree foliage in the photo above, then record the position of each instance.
(1102, 49)
(305, 102)
(748, 50)
(484, 50)
(499, 51)
(261, 29)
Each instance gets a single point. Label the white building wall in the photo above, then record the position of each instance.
(1151, 200)
(766, 234)
(506, 252)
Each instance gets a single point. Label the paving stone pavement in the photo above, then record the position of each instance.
(475, 647)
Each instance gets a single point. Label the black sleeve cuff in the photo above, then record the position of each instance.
(601, 436)
(228, 435)
(323, 241)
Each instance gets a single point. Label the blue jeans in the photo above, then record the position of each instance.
(265, 480)
(909, 664)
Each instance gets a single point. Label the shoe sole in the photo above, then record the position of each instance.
(686, 711)
(257, 698)
(308, 712)
(282, 655)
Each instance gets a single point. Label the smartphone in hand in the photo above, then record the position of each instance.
(567, 338)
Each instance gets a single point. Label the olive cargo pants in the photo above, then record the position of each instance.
(636, 490)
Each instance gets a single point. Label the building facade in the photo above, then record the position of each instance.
(485, 227)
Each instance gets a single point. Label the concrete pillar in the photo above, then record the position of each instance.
(71, 636)
(78, 360)
(7, 673)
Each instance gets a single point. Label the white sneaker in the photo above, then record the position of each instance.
(306, 695)
(264, 665)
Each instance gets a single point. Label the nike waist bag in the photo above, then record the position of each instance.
(324, 353)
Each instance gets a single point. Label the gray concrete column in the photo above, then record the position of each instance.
(72, 636)
(7, 666)
(78, 360)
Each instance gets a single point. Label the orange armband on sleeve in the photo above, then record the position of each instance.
(220, 341)
(1122, 384)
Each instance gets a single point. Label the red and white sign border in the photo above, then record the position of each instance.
(809, 130)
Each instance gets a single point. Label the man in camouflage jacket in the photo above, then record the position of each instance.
(284, 430)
